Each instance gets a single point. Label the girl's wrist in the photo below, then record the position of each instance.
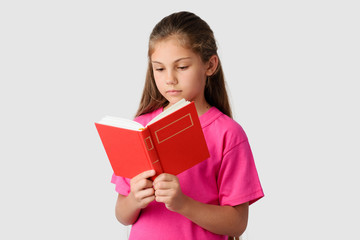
(186, 206)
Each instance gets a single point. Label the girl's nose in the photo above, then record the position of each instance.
(171, 79)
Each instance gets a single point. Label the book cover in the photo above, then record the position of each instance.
(171, 144)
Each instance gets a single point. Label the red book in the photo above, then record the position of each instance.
(172, 142)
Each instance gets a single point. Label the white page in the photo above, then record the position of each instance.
(130, 124)
(170, 110)
(120, 122)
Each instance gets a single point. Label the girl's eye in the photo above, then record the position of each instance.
(159, 69)
(183, 67)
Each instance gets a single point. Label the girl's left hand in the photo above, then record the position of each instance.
(168, 191)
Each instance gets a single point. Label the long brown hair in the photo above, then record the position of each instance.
(195, 34)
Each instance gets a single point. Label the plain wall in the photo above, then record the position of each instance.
(292, 70)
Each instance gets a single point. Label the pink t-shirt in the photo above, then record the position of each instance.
(228, 177)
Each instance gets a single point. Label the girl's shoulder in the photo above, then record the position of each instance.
(222, 125)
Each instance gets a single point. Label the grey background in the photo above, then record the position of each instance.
(292, 68)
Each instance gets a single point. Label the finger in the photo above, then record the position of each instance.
(167, 184)
(143, 194)
(145, 174)
(162, 199)
(166, 191)
(140, 185)
(163, 185)
(164, 177)
(147, 200)
(159, 193)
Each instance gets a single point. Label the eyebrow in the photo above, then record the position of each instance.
(177, 60)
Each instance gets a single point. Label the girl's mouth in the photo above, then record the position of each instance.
(173, 92)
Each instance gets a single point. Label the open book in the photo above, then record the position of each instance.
(172, 142)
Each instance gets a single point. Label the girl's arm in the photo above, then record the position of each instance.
(128, 207)
(224, 220)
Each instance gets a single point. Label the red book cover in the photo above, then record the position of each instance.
(171, 144)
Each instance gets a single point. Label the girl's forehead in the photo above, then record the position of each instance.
(170, 48)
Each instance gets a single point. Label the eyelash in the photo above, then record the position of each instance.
(181, 68)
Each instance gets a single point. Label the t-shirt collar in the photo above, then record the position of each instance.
(209, 116)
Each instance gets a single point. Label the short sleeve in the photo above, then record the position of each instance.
(238, 180)
(122, 185)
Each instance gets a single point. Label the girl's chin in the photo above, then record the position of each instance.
(174, 99)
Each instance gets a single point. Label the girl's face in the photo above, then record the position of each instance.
(179, 72)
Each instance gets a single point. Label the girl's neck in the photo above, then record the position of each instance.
(202, 107)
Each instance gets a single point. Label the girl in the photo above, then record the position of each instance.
(211, 199)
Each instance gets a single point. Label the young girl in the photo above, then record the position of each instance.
(211, 199)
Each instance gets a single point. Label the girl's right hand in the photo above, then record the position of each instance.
(141, 188)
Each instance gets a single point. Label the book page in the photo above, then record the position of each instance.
(120, 122)
(170, 110)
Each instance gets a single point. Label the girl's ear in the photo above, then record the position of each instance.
(212, 65)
